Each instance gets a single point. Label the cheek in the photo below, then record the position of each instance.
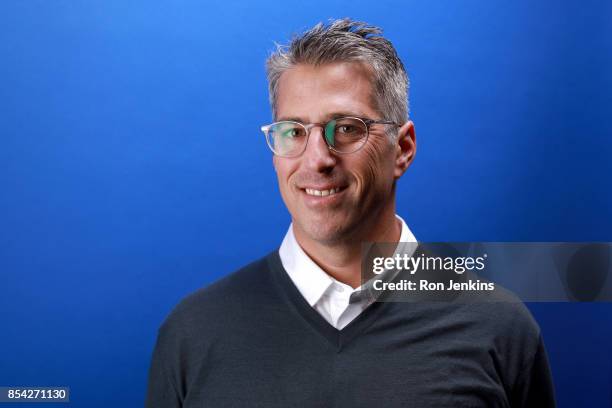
(283, 173)
(375, 160)
(281, 169)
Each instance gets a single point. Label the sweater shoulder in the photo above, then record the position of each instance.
(504, 308)
(241, 290)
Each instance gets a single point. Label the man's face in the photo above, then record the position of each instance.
(362, 182)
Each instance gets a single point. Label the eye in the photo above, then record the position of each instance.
(346, 129)
(292, 132)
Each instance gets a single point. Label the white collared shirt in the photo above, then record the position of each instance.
(329, 297)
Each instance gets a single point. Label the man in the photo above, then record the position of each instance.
(291, 330)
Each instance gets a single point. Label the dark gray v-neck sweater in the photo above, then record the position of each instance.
(251, 340)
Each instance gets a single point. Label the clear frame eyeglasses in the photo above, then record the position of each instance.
(342, 135)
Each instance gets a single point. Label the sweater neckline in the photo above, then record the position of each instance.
(338, 339)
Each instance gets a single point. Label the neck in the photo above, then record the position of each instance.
(341, 259)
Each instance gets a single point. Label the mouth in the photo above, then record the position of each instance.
(322, 193)
(323, 196)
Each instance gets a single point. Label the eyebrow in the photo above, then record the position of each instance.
(329, 117)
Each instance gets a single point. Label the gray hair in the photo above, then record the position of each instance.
(347, 40)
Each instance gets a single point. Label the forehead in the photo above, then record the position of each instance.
(314, 93)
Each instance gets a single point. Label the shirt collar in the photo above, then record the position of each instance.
(308, 277)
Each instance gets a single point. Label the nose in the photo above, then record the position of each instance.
(317, 156)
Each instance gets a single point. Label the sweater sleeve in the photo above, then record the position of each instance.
(535, 386)
(161, 391)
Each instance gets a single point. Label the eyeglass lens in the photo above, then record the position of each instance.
(344, 135)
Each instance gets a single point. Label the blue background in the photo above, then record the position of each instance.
(133, 170)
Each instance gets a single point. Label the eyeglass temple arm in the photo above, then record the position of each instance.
(379, 122)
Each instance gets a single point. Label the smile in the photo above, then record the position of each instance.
(322, 193)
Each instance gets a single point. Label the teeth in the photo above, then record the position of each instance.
(322, 193)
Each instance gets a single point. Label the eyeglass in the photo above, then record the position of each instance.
(343, 135)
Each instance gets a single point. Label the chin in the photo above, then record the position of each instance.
(324, 233)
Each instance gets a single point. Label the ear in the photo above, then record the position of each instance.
(405, 148)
